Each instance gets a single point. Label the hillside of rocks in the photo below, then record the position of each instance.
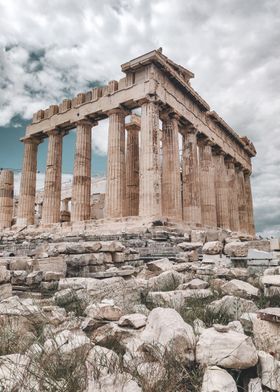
(154, 310)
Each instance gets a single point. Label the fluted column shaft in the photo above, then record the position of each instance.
(150, 171)
(115, 188)
(52, 190)
(207, 185)
(171, 178)
(242, 208)
(132, 172)
(6, 198)
(26, 206)
(191, 182)
(221, 190)
(232, 195)
(81, 190)
(249, 203)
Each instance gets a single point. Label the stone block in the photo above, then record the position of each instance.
(112, 246)
(212, 248)
(65, 105)
(198, 236)
(112, 86)
(53, 276)
(5, 291)
(34, 278)
(96, 93)
(274, 244)
(21, 263)
(55, 264)
(18, 277)
(4, 274)
(256, 254)
(53, 109)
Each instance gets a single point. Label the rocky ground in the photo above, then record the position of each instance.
(153, 310)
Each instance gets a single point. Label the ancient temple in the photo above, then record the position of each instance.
(177, 159)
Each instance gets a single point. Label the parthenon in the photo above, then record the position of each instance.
(177, 159)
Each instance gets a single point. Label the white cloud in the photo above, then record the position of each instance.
(56, 48)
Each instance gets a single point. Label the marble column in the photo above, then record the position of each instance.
(249, 203)
(242, 209)
(191, 181)
(232, 182)
(52, 189)
(221, 189)
(207, 184)
(132, 167)
(81, 189)
(115, 184)
(26, 206)
(6, 198)
(171, 177)
(150, 170)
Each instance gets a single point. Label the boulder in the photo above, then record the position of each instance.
(73, 248)
(267, 336)
(166, 281)
(13, 375)
(256, 254)
(104, 311)
(5, 291)
(255, 385)
(160, 265)
(270, 314)
(230, 350)
(175, 299)
(135, 320)
(236, 249)
(271, 284)
(270, 371)
(112, 246)
(188, 246)
(216, 379)
(194, 284)
(4, 274)
(167, 331)
(212, 248)
(239, 288)
(232, 306)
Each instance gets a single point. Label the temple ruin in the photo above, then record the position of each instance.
(206, 184)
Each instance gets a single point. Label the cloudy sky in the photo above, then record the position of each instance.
(52, 49)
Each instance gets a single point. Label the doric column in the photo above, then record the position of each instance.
(221, 189)
(26, 206)
(171, 178)
(6, 198)
(207, 184)
(150, 171)
(115, 184)
(191, 181)
(232, 195)
(249, 202)
(52, 190)
(242, 209)
(81, 189)
(132, 167)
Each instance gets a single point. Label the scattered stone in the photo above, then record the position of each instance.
(240, 289)
(270, 371)
(188, 246)
(270, 314)
(104, 311)
(236, 249)
(160, 265)
(212, 248)
(232, 306)
(216, 379)
(255, 385)
(267, 336)
(136, 320)
(194, 284)
(166, 281)
(231, 350)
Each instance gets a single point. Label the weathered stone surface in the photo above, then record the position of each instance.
(112, 246)
(4, 274)
(194, 284)
(267, 336)
(255, 385)
(236, 249)
(175, 299)
(259, 254)
(166, 330)
(270, 371)
(216, 379)
(104, 311)
(240, 288)
(135, 320)
(270, 314)
(188, 246)
(160, 265)
(212, 248)
(5, 291)
(231, 350)
(166, 281)
(74, 248)
(234, 307)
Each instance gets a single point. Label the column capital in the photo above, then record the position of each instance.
(134, 124)
(247, 172)
(54, 132)
(217, 150)
(119, 110)
(205, 141)
(149, 98)
(32, 139)
(87, 122)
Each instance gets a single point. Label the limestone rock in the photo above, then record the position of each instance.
(267, 336)
(135, 320)
(216, 379)
(4, 274)
(270, 371)
(5, 291)
(231, 350)
(104, 311)
(255, 385)
(74, 248)
(160, 265)
(270, 314)
(236, 249)
(166, 330)
(188, 246)
(166, 281)
(175, 299)
(194, 284)
(212, 248)
(13, 372)
(112, 246)
(233, 306)
(240, 288)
